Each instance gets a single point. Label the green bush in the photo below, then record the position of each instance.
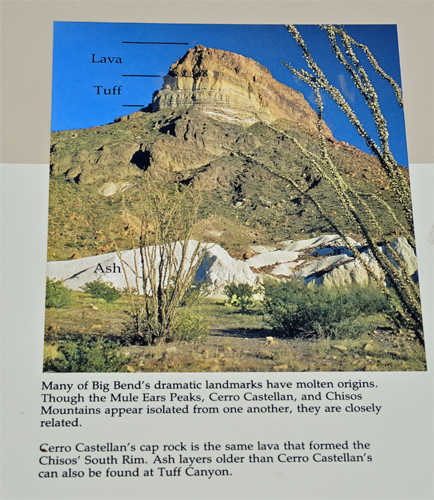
(57, 294)
(293, 309)
(186, 326)
(88, 355)
(189, 326)
(240, 295)
(100, 290)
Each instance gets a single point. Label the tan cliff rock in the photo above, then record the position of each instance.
(232, 88)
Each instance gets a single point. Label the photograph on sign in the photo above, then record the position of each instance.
(229, 198)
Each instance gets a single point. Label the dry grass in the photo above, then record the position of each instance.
(238, 343)
(222, 354)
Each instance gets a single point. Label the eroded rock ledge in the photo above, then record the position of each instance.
(233, 88)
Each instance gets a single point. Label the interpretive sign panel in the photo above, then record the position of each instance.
(231, 298)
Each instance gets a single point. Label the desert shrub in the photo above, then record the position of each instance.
(347, 328)
(100, 290)
(355, 206)
(186, 325)
(88, 355)
(57, 294)
(293, 309)
(195, 294)
(189, 326)
(240, 295)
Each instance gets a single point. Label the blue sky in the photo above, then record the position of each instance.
(76, 103)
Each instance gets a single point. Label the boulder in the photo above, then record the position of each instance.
(349, 273)
(328, 241)
(283, 244)
(261, 248)
(404, 250)
(310, 243)
(75, 273)
(218, 269)
(108, 189)
(353, 271)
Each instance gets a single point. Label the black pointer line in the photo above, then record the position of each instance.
(146, 76)
(139, 105)
(149, 76)
(160, 43)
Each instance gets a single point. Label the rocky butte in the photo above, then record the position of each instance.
(209, 128)
(232, 88)
(210, 102)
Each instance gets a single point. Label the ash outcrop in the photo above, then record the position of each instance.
(322, 261)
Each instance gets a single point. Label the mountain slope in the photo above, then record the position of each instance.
(215, 109)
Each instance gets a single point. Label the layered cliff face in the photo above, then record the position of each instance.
(205, 128)
(232, 88)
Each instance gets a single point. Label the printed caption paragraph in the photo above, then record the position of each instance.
(75, 405)
(63, 405)
(209, 459)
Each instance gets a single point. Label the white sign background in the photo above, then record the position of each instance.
(401, 435)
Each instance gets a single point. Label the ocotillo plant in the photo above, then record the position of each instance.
(166, 260)
(354, 205)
